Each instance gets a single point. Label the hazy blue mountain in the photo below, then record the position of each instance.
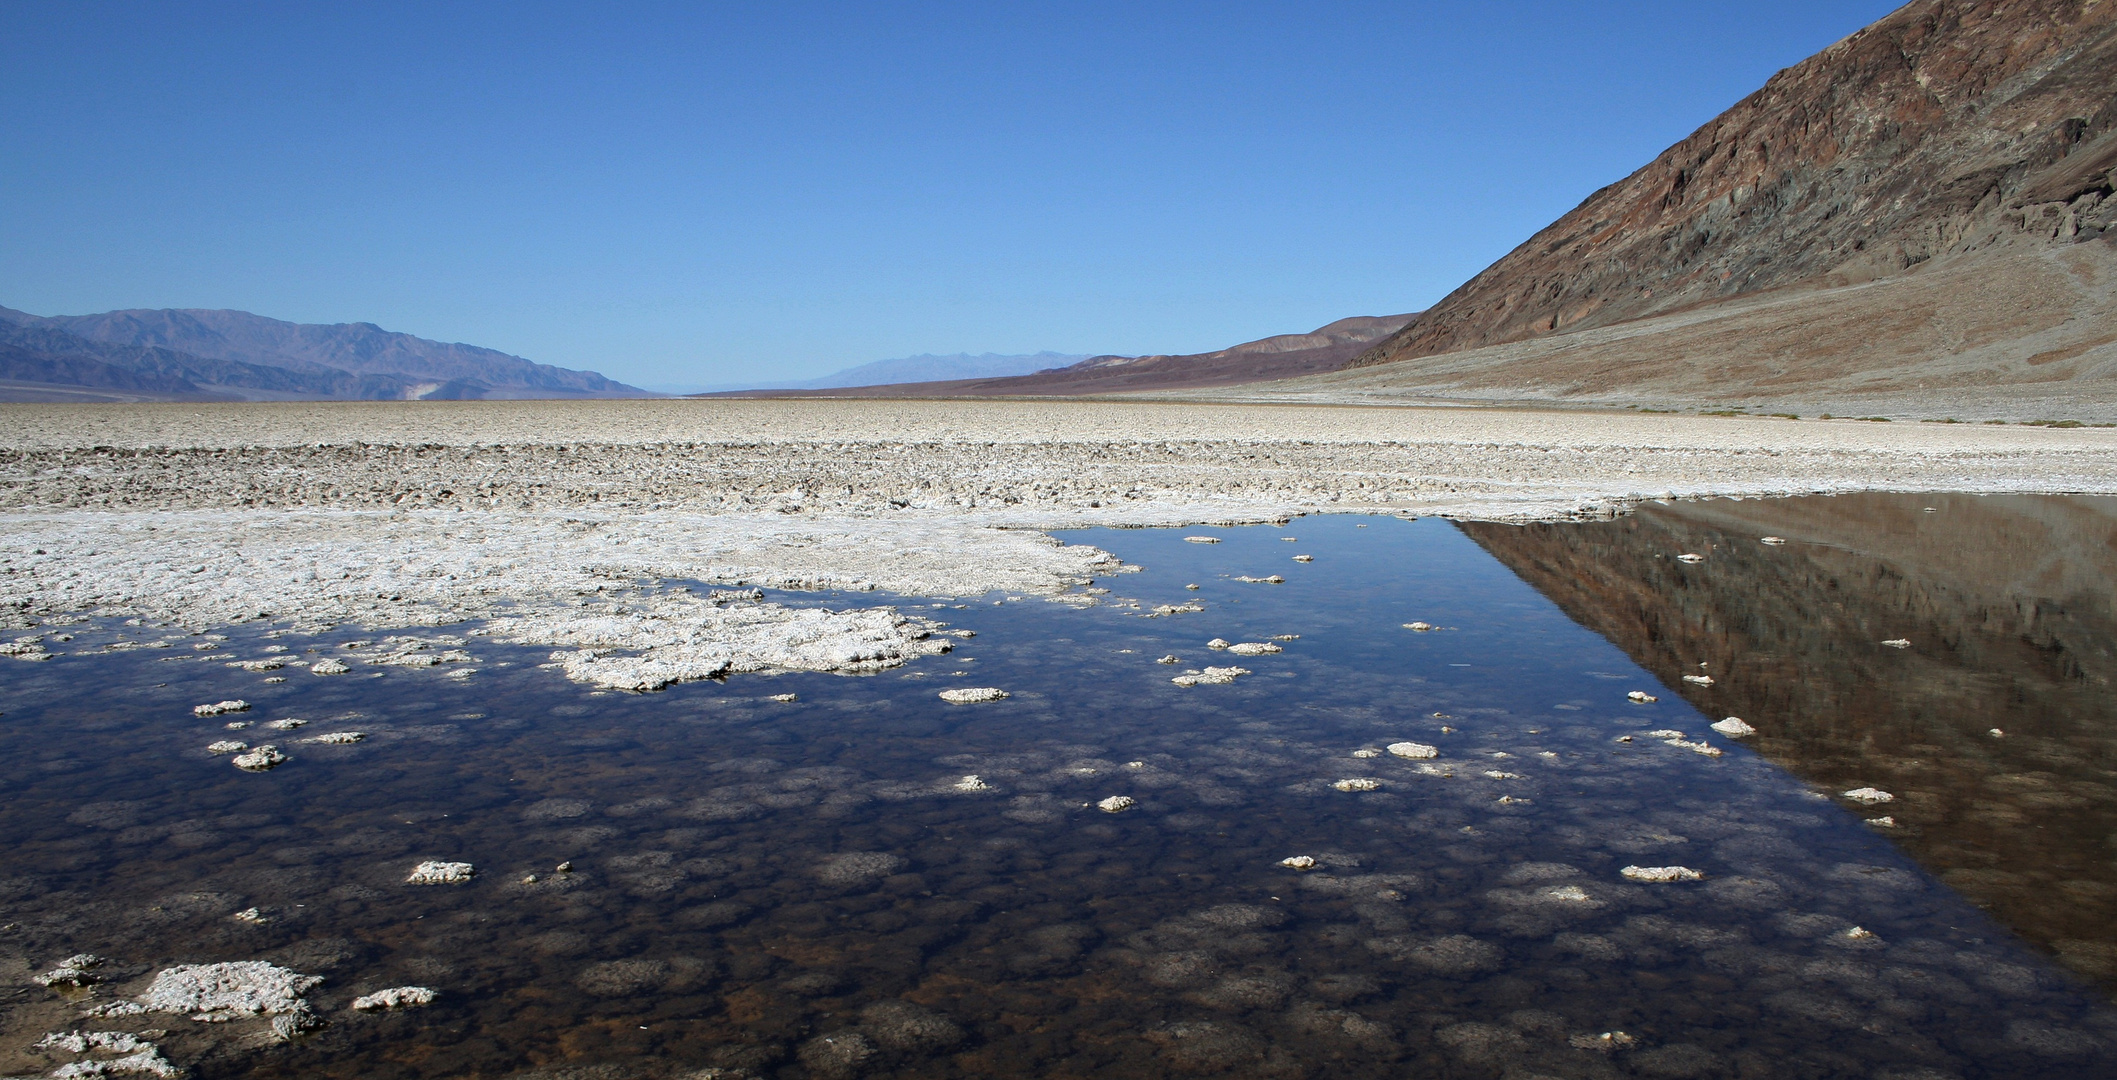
(350, 360)
(928, 367)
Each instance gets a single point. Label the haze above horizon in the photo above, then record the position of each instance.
(673, 195)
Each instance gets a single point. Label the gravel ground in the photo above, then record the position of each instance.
(401, 514)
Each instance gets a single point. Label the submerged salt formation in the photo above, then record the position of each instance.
(1660, 874)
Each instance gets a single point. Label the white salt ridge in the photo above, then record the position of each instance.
(1690, 557)
(1254, 648)
(397, 997)
(1772, 540)
(136, 1056)
(259, 760)
(1705, 748)
(434, 872)
(1212, 676)
(1358, 783)
(1701, 680)
(74, 971)
(1304, 558)
(1414, 750)
(288, 724)
(971, 783)
(1869, 796)
(339, 738)
(1898, 643)
(227, 746)
(273, 663)
(1271, 579)
(1733, 727)
(1115, 804)
(1660, 874)
(328, 666)
(1641, 697)
(1201, 539)
(1418, 627)
(1367, 752)
(973, 695)
(219, 707)
(1299, 862)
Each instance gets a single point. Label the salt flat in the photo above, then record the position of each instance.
(401, 514)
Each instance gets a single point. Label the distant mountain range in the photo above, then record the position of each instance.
(1283, 356)
(207, 355)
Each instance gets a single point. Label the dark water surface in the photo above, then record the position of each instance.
(799, 889)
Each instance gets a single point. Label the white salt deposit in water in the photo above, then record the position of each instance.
(972, 695)
(433, 872)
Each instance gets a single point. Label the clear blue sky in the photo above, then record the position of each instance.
(703, 193)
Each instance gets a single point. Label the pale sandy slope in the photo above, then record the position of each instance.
(565, 521)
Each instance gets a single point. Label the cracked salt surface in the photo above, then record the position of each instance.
(705, 831)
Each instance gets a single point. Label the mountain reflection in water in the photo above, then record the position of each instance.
(1994, 728)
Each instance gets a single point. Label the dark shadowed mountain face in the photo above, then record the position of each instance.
(234, 355)
(1947, 131)
(1990, 720)
(1284, 356)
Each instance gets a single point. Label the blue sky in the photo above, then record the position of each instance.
(707, 193)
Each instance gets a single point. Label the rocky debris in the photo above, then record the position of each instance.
(1270, 579)
(1212, 676)
(434, 872)
(224, 991)
(1699, 680)
(1299, 862)
(398, 997)
(1733, 727)
(260, 759)
(972, 782)
(1869, 796)
(1358, 783)
(1641, 697)
(1690, 557)
(1115, 804)
(339, 738)
(75, 971)
(129, 1055)
(1254, 648)
(1418, 627)
(973, 695)
(288, 724)
(219, 707)
(227, 746)
(328, 666)
(1201, 539)
(1898, 643)
(1660, 875)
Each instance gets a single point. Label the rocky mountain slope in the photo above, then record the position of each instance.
(1283, 356)
(1973, 139)
(234, 355)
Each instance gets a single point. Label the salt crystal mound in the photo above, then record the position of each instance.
(247, 987)
(227, 746)
(1201, 539)
(1358, 783)
(1115, 804)
(1299, 862)
(1733, 727)
(328, 667)
(972, 782)
(219, 707)
(1418, 627)
(649, 642)
(1869, 796)
(1689, 557)
(339, 738)
(74, 971)
(1898, 643)
(1413, 750)
(397, 997)
(1700, 680)
(1254, 648)
(1660, 875)
(262, 759)
(288, 724)
(1212, 676)
(1641, 697)
(973, 695)
(1272, 579)
(434, 872)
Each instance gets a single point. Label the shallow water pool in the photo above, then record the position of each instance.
(814, 888)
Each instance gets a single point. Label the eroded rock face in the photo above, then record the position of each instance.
(1950, 126)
